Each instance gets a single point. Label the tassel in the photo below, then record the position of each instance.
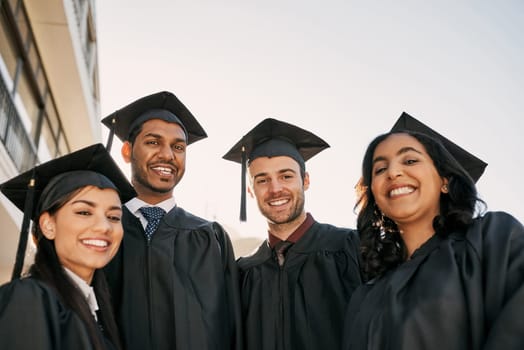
(243, 214)
(24, 231)
(111, 135)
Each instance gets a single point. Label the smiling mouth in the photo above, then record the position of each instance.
(278, 202)
(99, 243)
(163, 171)
(401, 191)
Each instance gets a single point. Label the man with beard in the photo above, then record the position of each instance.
(296, 286)
(174, 280)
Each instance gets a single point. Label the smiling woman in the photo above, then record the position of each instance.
(407, 187)
(86, 229)
(63, 301)
(441, 274)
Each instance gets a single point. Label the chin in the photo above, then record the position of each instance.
(163, 187)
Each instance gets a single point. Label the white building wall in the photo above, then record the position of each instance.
(59, 28)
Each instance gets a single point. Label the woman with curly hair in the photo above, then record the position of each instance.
(63, 302)
(441, 273)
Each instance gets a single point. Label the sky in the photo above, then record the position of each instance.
(344, 70)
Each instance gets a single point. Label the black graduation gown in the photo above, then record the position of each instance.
(32, 317)
(178, 291)
(302, 304)
(460, 292)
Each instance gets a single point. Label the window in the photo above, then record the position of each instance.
(31, 126)
(7, 46)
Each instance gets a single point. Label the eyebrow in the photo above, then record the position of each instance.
(93, 204)
(281, 171)
(400, 151)
(158, 136)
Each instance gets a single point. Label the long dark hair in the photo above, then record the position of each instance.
(382, 247)
(48, 269)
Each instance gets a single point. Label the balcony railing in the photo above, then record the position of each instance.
(13, 134)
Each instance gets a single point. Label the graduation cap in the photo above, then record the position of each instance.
(46, 183)
(272, 138)
(162, 105)
(473, 165)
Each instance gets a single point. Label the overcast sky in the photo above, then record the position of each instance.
(341, 69)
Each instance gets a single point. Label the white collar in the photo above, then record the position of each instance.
(87, 291)
(135, 204)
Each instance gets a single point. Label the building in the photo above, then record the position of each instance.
(49, 96)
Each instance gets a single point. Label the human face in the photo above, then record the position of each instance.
(86, 230)
(405, 182)
(158, 158)
(278, 188)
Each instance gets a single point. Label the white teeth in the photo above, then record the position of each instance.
(95, 242)
(164, 171)
(279, 202)
(401, 190)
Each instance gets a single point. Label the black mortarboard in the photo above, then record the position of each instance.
(271, 138)
(162, 105)
(46, 183)
(473, 165)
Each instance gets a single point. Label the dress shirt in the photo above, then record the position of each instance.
(135, 204)
(87, 291)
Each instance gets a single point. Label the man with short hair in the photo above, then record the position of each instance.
(174, 280)
(296, 286)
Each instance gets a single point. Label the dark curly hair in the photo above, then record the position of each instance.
(381, 245)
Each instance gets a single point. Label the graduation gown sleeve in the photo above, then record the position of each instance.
(32, 317)
(503, 249)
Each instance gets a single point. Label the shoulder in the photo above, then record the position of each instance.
(182, 219)
(25, 288)
(494, 230)
(194, 222)
(262, 254)
(30, 294)
(497, 223)
(334, 237)
(335, 231)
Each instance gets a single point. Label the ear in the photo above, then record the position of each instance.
(250, 191)
(306, 181)
(47, 225)
(444, 188)
(127, 149)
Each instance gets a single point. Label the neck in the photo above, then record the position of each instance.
(152, 199)
(415, 235)
(86, 276)
(284, 230)
(150, 195)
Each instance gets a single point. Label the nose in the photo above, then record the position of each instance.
(394, 170)
(102, 224)
(275, 186)
(166, 152)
